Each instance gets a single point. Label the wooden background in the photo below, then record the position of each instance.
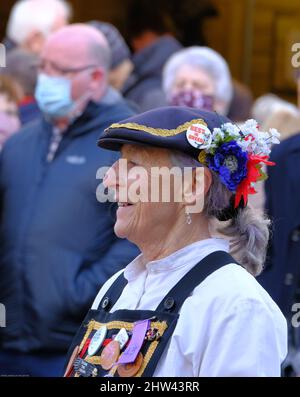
(255, 36)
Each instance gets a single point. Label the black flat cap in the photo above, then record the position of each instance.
(174, 127)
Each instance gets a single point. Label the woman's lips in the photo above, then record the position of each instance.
(124, 204)
(124, 208)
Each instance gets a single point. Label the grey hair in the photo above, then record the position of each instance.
(206, 59)
(100, 54)
(248, 232)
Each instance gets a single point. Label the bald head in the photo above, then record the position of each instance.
(76, 45)
(81, 54)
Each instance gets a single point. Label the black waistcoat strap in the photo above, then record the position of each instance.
(178, 294)
(113, 293)
(185, 286)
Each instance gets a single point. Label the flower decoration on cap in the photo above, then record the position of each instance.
(238, 155)
(230, 162)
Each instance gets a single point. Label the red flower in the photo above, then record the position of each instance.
(254, 173)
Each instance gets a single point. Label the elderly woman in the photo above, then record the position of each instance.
(185, 307)
(198, 77)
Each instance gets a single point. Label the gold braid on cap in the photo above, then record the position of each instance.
(156, 131)
(202, 158)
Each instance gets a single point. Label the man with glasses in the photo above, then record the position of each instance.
(57, 240)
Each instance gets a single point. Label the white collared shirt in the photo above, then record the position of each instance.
(229, 326)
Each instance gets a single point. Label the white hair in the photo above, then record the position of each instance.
(40, 15)
(247, 231)
(206, 59)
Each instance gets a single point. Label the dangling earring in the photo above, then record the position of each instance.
(188, 218)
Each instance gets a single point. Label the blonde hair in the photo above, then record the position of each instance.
(10, 88)
(268, 104)
(285, 121)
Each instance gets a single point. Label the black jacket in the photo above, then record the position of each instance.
(282, 274)
(144, 85)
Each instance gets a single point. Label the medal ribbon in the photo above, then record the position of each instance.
(138, 335)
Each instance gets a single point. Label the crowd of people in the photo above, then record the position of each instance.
(64, 84)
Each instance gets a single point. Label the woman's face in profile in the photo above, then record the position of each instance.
(147, 209)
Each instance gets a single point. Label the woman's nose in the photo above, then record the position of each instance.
(110, 178)
(189, 86)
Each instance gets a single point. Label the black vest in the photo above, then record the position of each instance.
(163, 320)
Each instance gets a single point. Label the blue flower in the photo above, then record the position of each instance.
(230, 162)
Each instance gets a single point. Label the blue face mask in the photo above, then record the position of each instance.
(53, 95)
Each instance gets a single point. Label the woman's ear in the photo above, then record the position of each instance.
(195, 187)
(207, 180)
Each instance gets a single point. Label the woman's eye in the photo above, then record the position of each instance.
(132, 163)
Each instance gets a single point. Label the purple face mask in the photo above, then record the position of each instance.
(192, 99)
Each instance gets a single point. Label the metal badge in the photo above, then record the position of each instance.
(199, 136)
(97, 341)
(110, 355)
(152, 334)
(129, 370)
(122, 337)
(84, 368)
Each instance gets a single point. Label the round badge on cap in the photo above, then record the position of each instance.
(129, 370)
(97, 341)
(199, 136)
(110, 354)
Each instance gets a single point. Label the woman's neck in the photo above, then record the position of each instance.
(163, 244)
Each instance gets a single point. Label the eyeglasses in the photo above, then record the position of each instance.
(52, 68)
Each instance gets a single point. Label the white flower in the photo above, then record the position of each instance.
(250, 127)
(217, 134)
(250, 124)
(244, 145)
(262, 149)
(249, 138)
(231, 129)
(263, 136)
(275, 135)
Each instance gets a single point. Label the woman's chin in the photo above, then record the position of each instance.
(124, 221)
(121, 230)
